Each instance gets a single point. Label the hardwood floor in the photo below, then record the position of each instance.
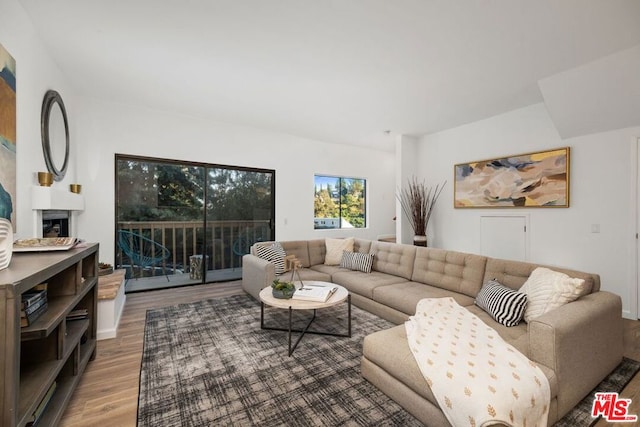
(108, 391)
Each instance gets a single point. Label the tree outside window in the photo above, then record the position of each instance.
(339, 202)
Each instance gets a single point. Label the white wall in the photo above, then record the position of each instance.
(106, 128)
(406, 168)
(601, 184)
(36, 72)
(100, 129)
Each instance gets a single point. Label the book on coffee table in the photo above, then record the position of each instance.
(314, 293)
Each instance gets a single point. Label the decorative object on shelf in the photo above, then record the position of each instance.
(104, 269)
(43, 244)
(417, 201)
(54, 128)
(6, 243)
(7, 135)
(45, 179)
(75, 188)
(528, 180)
(282, 290)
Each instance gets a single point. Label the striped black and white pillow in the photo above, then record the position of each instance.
(505, 305)
(356, 261)
(273, 253)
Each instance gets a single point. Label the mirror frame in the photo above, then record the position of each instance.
(50, 98)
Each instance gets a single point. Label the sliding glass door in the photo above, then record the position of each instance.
(239, 213)
(184, 223)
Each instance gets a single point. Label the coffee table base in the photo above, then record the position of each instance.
(306, 330)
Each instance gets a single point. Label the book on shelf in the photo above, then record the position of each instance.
(78, 314)
(33, 307)
(41, 287)
(318, 293)
(31, 298)
(37, 414)
(28, 319)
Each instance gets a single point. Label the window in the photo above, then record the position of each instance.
(339, 202)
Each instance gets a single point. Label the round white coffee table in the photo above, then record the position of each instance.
(339, 296)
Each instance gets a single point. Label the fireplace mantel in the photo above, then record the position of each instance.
(51, 198)
(46, 198)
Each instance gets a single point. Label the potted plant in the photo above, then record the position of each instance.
(417, 201)
(282, 289)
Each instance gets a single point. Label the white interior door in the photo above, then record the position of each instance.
(504, 236)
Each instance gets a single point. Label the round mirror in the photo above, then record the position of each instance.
(55, 134)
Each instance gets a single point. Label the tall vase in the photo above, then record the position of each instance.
(420, 240)
(6, 243)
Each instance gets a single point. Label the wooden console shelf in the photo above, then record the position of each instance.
(53, 349)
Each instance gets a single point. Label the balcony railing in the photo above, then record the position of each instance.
(226, 242)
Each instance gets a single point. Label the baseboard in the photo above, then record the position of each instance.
(109, 314)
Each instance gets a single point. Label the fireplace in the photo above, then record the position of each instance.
(55, 223)
(55, 212)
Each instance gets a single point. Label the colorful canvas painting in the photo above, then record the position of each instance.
(7, 136)
(527, 180)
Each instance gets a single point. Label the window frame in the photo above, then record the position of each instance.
(340, 217)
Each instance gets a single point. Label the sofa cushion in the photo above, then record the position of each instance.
(306, 274)
(389, 349)
(364, 283)
(503, 304)
(455, 271)
(299, 248)
(547, 290)
(392, 258)
(335, 247)
(405, 296)
(362, 245)
(272, 252)
(514, 273)
(517, 336)
(356, 261)
(317, 249)
(327, 269)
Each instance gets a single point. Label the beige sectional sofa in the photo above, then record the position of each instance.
(577, 345)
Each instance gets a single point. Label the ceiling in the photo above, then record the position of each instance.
(342, 71)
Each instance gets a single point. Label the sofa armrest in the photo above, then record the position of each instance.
(581, 341)
(257, 274)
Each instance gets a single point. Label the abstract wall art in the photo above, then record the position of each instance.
(7, 136)
(529, 180)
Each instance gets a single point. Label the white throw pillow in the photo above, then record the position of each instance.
(335, 247)
(547, 289)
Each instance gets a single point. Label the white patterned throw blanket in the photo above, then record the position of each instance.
(477, 378)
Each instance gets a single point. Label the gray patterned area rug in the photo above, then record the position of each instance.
(209, 363)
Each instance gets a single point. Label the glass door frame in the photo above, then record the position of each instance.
(203, 248)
